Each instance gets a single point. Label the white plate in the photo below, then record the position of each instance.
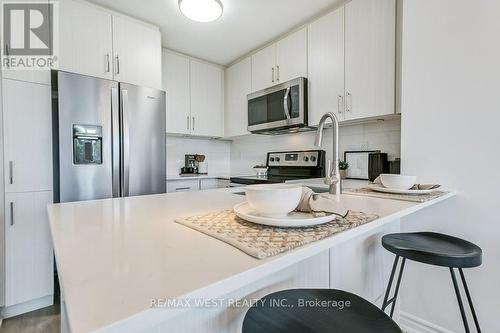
(293, 219)
(380, 188)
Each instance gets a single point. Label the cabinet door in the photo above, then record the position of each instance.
(208, 183)
(238, 84)
(28, 247)
(207, 110)
(137, 53)
(263, 68)
(370, 58)
(176, 84)
(27, 136)
(326, 66)
(183, 185)
(86, 43)
(291, 56)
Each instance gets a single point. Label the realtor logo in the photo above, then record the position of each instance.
(28, 34)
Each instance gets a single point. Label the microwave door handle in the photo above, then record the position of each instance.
(285, 104)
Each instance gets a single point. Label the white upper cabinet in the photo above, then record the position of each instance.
(27, 136)
(29, 267)
(264, 68)
(291, 56)
(238, 83)
(137, 52)
(281, 61)
(176, 84)
(326, 66)
(370, 58)
(207, 107)
(86, 41)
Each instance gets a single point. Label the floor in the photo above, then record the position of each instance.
(45, 320)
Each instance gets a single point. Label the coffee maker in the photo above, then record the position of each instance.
(190, 164)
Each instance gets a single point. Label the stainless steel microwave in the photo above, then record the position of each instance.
(279, 109)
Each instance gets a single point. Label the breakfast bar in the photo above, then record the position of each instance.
(125, 265)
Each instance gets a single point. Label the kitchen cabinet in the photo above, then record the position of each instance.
(370, 53)
(86, 40)
(137, 52)
(98, 42)
(208, 183)
(326, 66)
(238, 84)
(281, 61)
(207, 107)
(27, 136)
(176, 84)
(29, 264)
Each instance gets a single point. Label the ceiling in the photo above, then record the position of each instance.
(244, 26)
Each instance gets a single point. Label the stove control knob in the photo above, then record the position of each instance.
(277, 159)
(313, 158)
(272, 159)
(306, 159)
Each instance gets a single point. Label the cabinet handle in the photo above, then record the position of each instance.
(182, 188)
(187, 122)
(11, 172)
(11, 213)
(340, 104)
(117, 65)
(348, 102)
(193, 123)
(272, 76)
(277, 73)
(7, 55)
(108, 67)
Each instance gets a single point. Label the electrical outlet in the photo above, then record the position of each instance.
(363, 146)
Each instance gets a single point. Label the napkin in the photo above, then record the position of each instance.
(320, 204)
(414, 187)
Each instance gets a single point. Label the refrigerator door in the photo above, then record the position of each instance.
(143, 140)
(82, 137)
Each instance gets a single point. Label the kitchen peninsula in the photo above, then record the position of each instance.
(117, 257)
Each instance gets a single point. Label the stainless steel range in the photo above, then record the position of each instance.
(289, 165)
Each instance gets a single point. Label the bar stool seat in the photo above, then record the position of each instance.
(434, 249)
(282, 312)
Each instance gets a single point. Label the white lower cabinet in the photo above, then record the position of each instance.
(183, 185)
(29, 268)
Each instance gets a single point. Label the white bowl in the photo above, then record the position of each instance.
(398, 181)
(273, 200)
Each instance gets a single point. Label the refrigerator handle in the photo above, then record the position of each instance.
(115, 141)
(125, 144)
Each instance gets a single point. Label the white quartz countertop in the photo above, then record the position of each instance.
(114, 256)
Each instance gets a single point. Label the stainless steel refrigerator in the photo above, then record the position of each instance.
(108, 138)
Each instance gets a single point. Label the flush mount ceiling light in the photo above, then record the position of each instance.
(201, 10)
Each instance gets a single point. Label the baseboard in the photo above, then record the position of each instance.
(15, 310)
(412, 324)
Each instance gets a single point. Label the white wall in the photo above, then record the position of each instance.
(217, 154)
(250, 150)
(450, 134)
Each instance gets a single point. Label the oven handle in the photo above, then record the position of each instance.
(285, 104)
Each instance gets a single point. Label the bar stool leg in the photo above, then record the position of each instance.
(469, 299)
(389, 286)
(459, 299)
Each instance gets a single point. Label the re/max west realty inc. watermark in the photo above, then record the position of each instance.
(29, 35)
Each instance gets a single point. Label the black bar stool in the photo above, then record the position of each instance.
(433, 249)
(316, 311)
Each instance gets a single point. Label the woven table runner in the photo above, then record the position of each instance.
(262, 241)
(366, 191)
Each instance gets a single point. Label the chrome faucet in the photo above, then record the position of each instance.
(332, 172)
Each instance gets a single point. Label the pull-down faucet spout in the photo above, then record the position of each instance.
(332, 173)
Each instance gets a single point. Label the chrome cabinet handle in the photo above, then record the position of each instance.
(187, 122)
(117, 65)
(340, 104)
(11, 213)
(278, 73)
(182, 188)
(7, 54)
(272, 77)
(108, 66)
(11, 172)
(348, 102)
(285, 104)
(193, 123)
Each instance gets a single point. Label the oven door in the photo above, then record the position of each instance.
(278, 107)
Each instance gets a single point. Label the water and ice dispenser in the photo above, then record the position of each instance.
(87, 144)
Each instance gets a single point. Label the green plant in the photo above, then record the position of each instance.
(343, 165)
